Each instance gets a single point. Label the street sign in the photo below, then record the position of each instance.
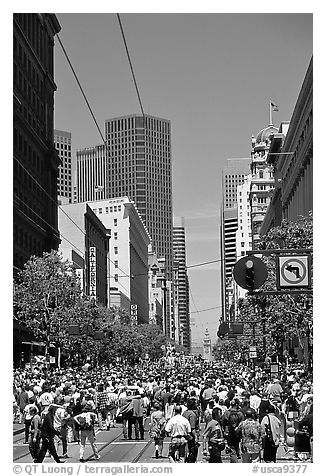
(253, 352)
(250, 267)
(293, 271)
(236, 328)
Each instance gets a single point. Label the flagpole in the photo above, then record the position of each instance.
(270, 112)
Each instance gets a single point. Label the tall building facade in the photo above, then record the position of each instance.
(85, 243)
(128, 277)
(233, 175)
(136, 162)
(244, 232)
(291, 156)
(181, 285)
(92, 174)
(156, 281)
(262, 181)
(36, 162)
(62, 142)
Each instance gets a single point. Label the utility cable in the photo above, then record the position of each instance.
(130, 64)
(63, 237)
(80, 87)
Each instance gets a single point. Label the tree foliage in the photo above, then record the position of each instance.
(48, 299)
(273, 320)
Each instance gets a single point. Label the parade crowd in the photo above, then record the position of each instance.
(222, 409)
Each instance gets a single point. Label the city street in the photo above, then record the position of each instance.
(163, 284)
(114, 449)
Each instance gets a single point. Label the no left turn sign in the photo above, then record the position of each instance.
(293, 271)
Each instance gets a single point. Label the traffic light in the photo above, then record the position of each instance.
(223, 330)
(250, 274)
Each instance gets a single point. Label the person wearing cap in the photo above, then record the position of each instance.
(86, 421)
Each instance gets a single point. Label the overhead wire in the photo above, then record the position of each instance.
(60, 208)
(130, 64)
(63, 237)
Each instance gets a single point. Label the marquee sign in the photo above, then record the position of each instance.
(92, 272)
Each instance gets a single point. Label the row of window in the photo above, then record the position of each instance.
(60, 145)
(114, 208)
(38, 37)
(128, 123)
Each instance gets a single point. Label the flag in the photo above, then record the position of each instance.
(274, 106)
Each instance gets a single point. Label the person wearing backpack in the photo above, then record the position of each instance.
(86, 421)
(272, 426)
(251, 433)
(230, 421)
(156, 429)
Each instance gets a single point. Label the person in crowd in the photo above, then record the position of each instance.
(271, 441)
(230, 422)
(251, 438)
(157, 429)
(275, 390)
(28, 415)
(178, 427)
(137, 416)
(86, 421)
(60, 421)
(102, 402)
(193, 419)
(45, 399)
(34, 436)
(48, 432)
(213, 438)
(22, 401)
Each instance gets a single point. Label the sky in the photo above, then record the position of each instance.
(211, 75)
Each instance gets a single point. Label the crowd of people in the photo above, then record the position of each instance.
(226, 409)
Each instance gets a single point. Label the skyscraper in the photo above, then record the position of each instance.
(232, 175)
(181, 286)
(62, 142)
(36, 161)
(136, 163)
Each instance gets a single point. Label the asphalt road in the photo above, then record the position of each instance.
(113, 448)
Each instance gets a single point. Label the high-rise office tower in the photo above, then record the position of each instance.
(136, 163)
(62, 142)
(36, 161)
(232, 175)
(181, 285)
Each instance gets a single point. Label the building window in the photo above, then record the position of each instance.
(116, 264)
(100, 210)
(115, 235)
(116, 278)
(106, 209)
(115, 222)
(115, 250)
